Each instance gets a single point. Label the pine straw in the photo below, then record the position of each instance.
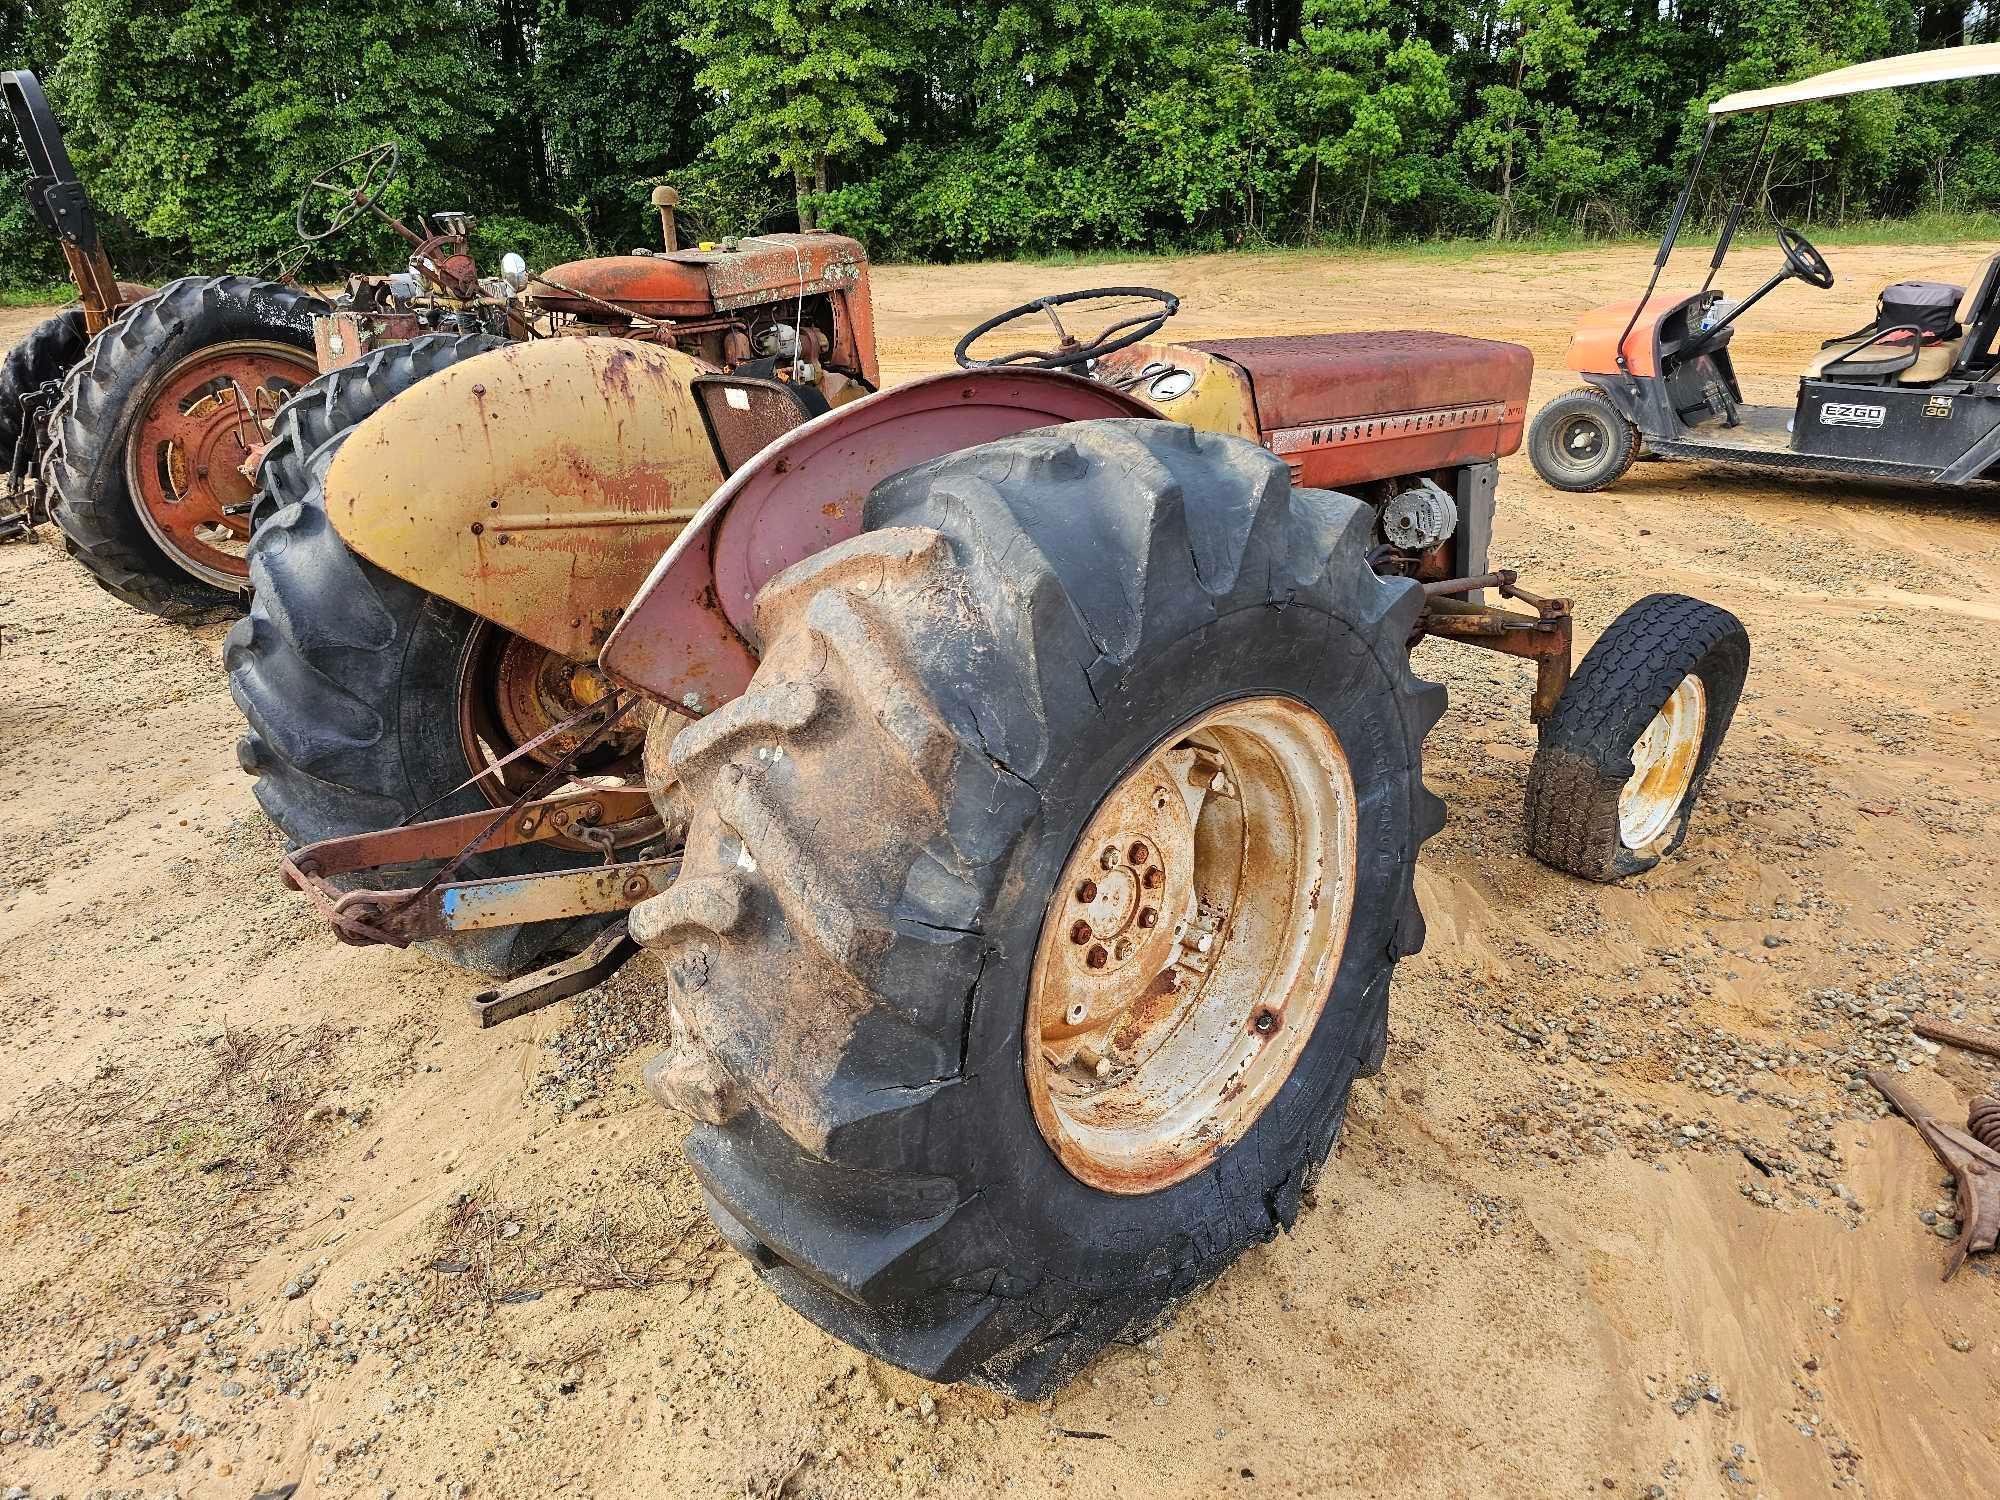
(478, 1262)
(173, 1162)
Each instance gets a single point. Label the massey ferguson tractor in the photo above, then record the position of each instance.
(1017, 772)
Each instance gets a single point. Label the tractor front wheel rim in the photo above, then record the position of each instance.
(1190, 945)
(1663, 764)
(198, 427)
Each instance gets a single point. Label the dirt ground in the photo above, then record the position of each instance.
(1619, 1217)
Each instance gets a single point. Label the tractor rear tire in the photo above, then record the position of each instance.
(1623, 759)
(1580, 441)
(882, 827)
(48, 352)
(106, 396)
(350, 677)
(338, 400)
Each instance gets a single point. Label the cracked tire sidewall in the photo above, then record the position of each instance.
(1016, 1272)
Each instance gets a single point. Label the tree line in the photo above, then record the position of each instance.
(943, 129)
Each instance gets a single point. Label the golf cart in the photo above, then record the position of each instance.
(1914, 395)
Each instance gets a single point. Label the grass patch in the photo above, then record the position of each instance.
(54, 294)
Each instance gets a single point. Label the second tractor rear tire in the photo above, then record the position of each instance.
(1581, 442)
(880, 876)
(352, 680)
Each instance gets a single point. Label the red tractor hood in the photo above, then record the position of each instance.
(1345, 407)
(762, 269)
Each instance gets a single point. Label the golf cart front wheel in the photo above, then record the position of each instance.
(1623, 758)
(1580, 441)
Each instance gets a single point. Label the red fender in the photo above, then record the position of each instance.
(686, 638)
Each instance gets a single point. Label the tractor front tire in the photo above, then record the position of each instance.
(111, 391)
(1580, 441)
(48, 352)
(1623, 759)
(1121, 648)
(354, 682)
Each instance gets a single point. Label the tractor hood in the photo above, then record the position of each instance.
(751, 272)
(535, 485)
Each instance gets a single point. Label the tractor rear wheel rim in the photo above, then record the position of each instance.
(1663, 763)
(197, 428)
(1190, 945)
(511, 690)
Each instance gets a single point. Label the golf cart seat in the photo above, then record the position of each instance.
(1980, 315)
(1913, 338)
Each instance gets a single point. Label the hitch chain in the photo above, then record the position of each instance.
(365, 917)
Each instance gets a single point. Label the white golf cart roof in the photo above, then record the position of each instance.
(1884, 73)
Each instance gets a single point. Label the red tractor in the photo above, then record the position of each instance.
(1017, 772)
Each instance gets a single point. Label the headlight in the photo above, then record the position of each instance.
(514, 270)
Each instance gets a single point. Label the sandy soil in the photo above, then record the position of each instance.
(1617, 1219)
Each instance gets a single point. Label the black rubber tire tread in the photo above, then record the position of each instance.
(348, 678)
(1618, 458)
(1585, 755)
(877, 820)
(338, 399)
(93, 421)
(48, 352)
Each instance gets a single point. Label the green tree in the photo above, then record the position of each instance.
(1369, 102)
(799, 84)
(1515, 123)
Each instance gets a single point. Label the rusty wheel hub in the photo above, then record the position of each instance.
(510, 691)
(1190, 944)
(186, 460)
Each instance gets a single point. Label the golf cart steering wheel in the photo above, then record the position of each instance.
(1805, 261)
(358, 182)
(1070, 350)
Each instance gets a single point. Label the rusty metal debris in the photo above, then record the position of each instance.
(607, 953)
(1971, 1038)
(1975, 1164)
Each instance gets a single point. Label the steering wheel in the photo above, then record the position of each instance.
(358, 182)
(1805, 262)
(1070, 350)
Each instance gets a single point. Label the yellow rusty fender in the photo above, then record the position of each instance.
(1186, 385)
(535, 485)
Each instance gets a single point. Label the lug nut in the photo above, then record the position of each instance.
(1139, 854)
(1097, 957)
(1148, 916)
(1153, 879)
(1124, 949)
(1079, 932)
(1108, 859)
(1087, 892)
